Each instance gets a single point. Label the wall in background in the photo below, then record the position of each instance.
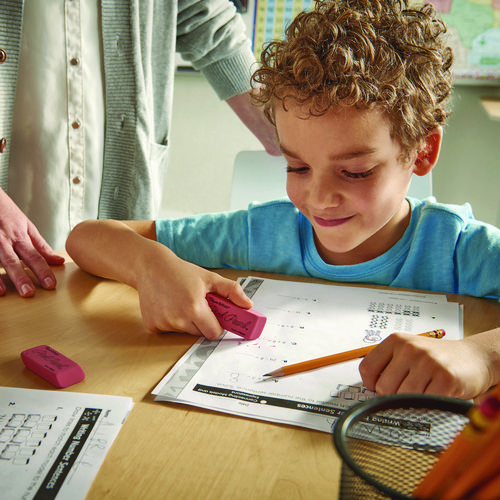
(469, 164)
(206, 136)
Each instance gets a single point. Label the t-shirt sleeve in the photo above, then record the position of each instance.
(263, 238)
(208, 240)
(478, 260)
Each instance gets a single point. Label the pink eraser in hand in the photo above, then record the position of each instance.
(246, 323)
(53, 366)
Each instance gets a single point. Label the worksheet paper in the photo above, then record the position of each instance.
(52, 443)
(304, 321)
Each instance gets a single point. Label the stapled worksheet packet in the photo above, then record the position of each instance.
(304, 321)
(52, 443)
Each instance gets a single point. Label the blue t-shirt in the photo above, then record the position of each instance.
(443, 249)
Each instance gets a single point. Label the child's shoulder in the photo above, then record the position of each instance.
(431, 217)
(278, 203)
(429, 207)
(278, 207)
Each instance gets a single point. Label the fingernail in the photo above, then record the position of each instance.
(48, 283)
(26, 290)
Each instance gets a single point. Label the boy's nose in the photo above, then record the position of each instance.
(325, 192)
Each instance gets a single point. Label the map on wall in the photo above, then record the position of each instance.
(473, 29)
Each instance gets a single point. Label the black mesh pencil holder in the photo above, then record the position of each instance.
(388, 443)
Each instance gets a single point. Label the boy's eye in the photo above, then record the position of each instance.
(296, 170)
(358, 175)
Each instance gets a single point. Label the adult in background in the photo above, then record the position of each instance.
(86, 90)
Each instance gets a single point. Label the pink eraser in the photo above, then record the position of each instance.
(246, 323)
(53, 366)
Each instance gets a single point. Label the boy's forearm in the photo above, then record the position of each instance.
(109, 249)
(489, 343)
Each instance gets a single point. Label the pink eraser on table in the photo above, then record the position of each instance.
(53, 366)
(246, 323)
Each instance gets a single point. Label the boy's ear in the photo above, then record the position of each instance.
(428, 156)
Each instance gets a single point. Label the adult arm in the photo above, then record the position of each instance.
(212, 36)
(256, 122)
(21, 245)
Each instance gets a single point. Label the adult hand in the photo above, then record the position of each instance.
(253, 117)
(405, 363)
(20, 242)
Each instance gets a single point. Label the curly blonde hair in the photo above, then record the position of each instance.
(362, 53)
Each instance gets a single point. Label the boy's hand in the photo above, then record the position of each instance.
(172, 296)
(405, 363)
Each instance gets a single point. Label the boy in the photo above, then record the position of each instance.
(357, 92)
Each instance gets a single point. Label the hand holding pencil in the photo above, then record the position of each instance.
(405, 363)
(336, 358)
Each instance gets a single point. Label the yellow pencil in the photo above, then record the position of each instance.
(312, 364)
(489, 490)
(456, 467)
(484, 466)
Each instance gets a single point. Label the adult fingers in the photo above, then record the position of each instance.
(43, 248)
(37, 263)
(16, 272)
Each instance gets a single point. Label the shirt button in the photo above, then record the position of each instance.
(76, 180)
(3, 144)
(75, 124)
(74, 61)
(3, 56)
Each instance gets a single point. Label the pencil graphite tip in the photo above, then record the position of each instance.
(275, 373)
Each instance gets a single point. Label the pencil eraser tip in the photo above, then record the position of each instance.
(246, 323)
(438, 334)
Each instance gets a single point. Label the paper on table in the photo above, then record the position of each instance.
(304, 321)
(52, 443)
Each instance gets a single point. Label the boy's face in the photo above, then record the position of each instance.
(348, 177)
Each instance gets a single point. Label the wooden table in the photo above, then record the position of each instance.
(164, 450)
